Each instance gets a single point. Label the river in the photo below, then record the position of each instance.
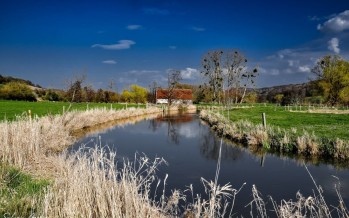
(191, 149)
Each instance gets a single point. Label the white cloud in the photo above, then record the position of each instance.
(198, 29)
(333, 45)
(134, 27)
(155, 11)
(122, 44)
(274, 72)
(172, 47)
(109, 62)
(189, 73)
(338, 23)
(304, 69)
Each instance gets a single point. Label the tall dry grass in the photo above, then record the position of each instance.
(32, 142)
(93, 185)
(312, 206)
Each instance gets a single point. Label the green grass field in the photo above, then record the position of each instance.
(329, 126)
(10, 109)
(17, 190)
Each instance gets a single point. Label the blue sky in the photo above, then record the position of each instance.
(138, 41)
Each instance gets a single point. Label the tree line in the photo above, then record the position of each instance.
(227, 80)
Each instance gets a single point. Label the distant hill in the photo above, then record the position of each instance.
(268, 93)
(7, 79)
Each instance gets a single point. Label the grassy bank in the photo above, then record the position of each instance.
(10, 109)
(20, 193)
(324, 125)
(275, 138)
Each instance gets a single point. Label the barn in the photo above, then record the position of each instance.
(180, 96)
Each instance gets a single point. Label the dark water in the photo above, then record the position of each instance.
(192, 150)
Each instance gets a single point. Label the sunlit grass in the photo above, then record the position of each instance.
(10, 109)
(329, 126)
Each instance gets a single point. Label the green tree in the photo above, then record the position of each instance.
(139, 94)
(126, 96)
(332, 76)
(51, 95)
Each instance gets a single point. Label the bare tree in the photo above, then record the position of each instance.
(152, 92)
(212, 64)
(228, 68)
(74, 91)
(235, 63)
(174, 76)
(248, 79)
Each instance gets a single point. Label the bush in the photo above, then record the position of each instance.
(52, 96)
(16, 91)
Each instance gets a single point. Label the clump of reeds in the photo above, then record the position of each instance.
(92, 185)
(311, 206)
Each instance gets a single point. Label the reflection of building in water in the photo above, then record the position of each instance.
(184, 118)
(173, 124)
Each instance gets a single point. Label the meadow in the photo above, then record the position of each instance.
(323, 125)
(9, 110)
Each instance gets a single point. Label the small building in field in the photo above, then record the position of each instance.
(179, 96)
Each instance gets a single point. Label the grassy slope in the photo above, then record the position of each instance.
(323, 125)
(17, 190)
(9, 109)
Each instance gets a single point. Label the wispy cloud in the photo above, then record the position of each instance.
(198, 29)
(134, 27)
(172, 47)
(337, 23)
(122, 44)
(109, 62)
(333, 45)
(155, 11)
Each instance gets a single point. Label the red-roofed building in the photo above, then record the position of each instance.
(179, 96)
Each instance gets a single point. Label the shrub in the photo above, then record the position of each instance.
(16, 91)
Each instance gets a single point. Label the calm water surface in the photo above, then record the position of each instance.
(191, 150)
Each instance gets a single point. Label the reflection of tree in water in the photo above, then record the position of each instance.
(173, 125)
(172, 131)
(153, 125)
(210, 148)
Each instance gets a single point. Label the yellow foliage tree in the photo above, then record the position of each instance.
(332, 74)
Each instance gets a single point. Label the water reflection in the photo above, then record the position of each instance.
(209, 148)
(175, 127)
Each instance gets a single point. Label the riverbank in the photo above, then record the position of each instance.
(91, 183)
(34, 145)
(276, 139)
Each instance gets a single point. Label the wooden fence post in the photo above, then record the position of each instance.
(264, 121)
(30, 115)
